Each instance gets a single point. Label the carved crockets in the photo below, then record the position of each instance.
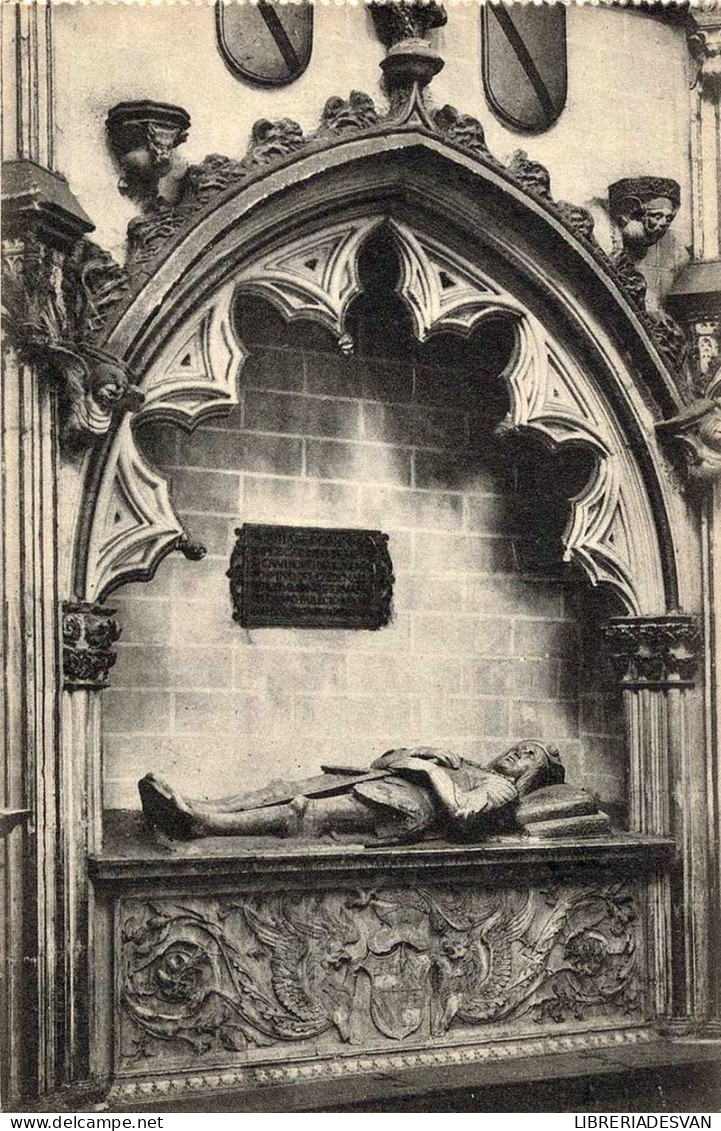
(654, 653)
(89, 632)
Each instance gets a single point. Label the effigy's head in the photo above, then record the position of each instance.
(530, 765)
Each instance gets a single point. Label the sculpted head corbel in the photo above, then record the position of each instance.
(142, 137)
(94, 387)
(643, 209)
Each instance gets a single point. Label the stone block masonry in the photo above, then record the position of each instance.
(478, 653)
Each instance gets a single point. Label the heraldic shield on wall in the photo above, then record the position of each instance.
(525, 74)
(265, 44)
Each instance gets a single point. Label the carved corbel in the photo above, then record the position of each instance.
(696, 434)
(142, 137)
(654, 653)
(58, 288)
(89, 632)
(410, 63)
(643, 209)
(53, 303)
(704, 42)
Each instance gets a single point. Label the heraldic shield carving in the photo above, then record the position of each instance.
(525, 74)
(266, 43)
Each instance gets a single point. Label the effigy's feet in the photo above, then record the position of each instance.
(166, 810)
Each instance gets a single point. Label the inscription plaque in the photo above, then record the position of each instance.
(310, 577)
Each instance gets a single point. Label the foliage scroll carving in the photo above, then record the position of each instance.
(217, 976)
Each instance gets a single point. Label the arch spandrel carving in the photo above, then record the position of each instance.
(197, 374)
(609, 534)
(315, 277)
(134, 523)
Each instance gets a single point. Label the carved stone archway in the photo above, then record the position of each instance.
(472, 245)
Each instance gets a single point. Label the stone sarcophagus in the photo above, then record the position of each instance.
(246, 967)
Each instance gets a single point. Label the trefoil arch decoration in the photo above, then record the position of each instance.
(195, 372)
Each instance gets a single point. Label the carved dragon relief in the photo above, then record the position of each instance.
(317, 279)
(208, 977)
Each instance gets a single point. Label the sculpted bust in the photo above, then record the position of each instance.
(406, 795)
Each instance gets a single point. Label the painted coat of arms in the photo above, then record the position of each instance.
(525, 74)
(265, 43)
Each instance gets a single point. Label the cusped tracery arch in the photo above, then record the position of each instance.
(195, 373)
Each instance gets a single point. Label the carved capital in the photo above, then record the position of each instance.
(704, 42)
(142, 137)
(89, 631)
(654, 653)
(643, 209)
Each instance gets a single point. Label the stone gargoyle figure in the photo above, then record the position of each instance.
(407, 795)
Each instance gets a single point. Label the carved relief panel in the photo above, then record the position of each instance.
(272, 977)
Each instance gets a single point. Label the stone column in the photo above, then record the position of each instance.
(88, 634)
(656, 660)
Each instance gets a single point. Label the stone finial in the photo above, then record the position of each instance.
(142, 138)
(406, 20)
(403, 28)
(643, 208)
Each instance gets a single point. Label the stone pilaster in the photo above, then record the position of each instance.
(88, 634)
(43, 226)
(656, 660)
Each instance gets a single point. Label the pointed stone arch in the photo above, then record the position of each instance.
(193, 373)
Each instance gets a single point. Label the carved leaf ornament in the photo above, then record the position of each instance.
(260, 970)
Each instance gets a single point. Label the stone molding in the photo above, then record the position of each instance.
(170, 1087)
(89, 632)
(655, 653)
